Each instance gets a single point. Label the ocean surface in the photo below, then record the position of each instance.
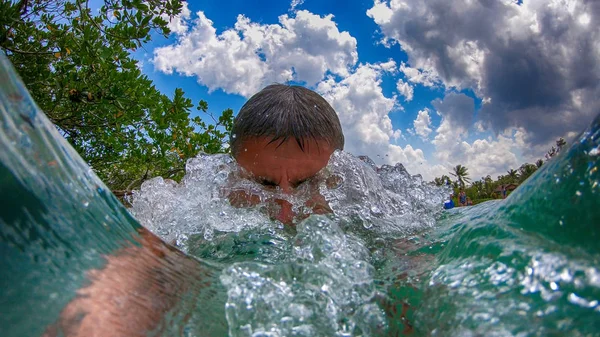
(388, 261)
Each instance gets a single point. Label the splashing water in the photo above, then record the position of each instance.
(317, 279)
(388, 261)
(384, 200)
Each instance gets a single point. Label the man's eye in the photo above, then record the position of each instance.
(266, 182)
(298, 183)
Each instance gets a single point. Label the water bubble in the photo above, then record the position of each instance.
(327, 274)
(573, 298)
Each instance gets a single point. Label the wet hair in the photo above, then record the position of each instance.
(281, 112)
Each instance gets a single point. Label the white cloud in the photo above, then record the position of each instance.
(295, 3)
(310, 48)
(532, 62)
(302, 47)
(426, 77)
(415, 162)
(364, 113)
(422, 123)
(405, 90)
(480, 156)
(178, 24)
(363, 109)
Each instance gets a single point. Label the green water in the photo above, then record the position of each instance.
(525, 266)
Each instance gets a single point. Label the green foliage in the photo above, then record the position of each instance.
(462, 175)
(485, 188)
(441, 181)
(77, 64)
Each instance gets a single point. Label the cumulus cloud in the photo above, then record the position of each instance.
(363, 109)
(405, 90)
(425, 77)
(303, 47)
(422, 123)
(178, 24)
(364, 113)
(295, 3)
(457, 108)
(536, 65)
(481, 156)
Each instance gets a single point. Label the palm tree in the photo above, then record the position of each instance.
(539, 163)
(488, 185)
(526, 170)
(478, 186)
(462, 174)
(513, 176)
(441, 181)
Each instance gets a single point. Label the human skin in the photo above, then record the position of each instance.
(283, 165)
(140, 283)
(132, 292)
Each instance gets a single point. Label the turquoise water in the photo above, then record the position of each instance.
(390, 262)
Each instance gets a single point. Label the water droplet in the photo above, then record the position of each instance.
(578, 193)
(245, 150)
(595, 151)
(86, 203)
(553, 286)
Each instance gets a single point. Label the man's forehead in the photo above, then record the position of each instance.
(310, 146)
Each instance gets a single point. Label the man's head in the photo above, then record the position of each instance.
(285, 134)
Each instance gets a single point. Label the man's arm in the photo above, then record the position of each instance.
(129, 296)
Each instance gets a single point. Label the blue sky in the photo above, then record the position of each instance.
(489, 85)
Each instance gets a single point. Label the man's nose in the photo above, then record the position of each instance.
(286, 187)
(286, 214)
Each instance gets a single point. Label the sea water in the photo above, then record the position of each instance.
(388, 261)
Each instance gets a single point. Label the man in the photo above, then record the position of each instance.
(462, 198)
(282, 136)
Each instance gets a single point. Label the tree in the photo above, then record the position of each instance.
(441, 181)
(525, 171)
(77, 64)
(539, 163)
(479, 190)
(462, 175)
(512, 176)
